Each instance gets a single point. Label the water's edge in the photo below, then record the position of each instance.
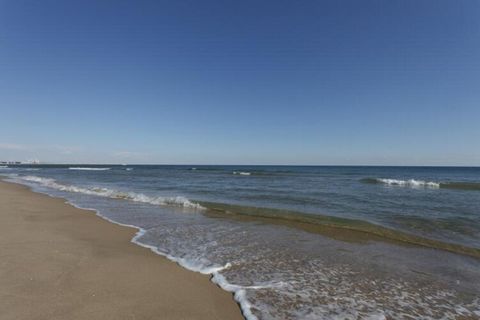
(336, 228)
(243, 304)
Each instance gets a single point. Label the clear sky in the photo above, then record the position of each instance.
(241, 82)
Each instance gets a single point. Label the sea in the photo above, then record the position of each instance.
(298, 242)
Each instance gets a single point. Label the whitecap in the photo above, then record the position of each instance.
(178, 201)
(88, 169)
(242, 173)
(410, 183)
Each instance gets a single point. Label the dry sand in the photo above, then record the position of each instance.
(60, 262)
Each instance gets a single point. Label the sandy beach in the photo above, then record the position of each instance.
(60, 262)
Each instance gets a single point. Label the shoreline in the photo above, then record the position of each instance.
(339, 228)
(59, 262)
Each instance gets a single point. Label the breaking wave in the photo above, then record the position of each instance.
(242, 173)
(424, 184)
(297, 288)
(404, 183)
(88, 169)
(178, 201)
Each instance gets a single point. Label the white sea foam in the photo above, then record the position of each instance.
(238, 291)
(217, 277)
(129, 169)
(410, 183)
(178, 201)
(302, 289)
(239, 295)
(4, 167)
(192, 265)
(242, 173)
(88, 169)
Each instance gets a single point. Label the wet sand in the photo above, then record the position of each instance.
(60, 262)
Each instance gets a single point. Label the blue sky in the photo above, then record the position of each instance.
(241, 82)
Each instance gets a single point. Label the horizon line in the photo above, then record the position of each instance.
(232, 165)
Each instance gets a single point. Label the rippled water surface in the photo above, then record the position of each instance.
(282, 272)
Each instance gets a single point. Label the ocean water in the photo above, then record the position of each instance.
(291, 242)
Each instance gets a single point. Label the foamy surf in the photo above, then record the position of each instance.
(88, 169)
(283, 273)
(458, 185)
(178, 201)
(321, 281)
(404, 183)
(239, 292)
(411, 183)
(242, 173)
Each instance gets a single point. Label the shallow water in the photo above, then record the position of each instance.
(279, 272)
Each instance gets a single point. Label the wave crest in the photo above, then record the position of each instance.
(242, 173)
(458, 185)
(178, 201)
(410, 183)
(88, 169)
